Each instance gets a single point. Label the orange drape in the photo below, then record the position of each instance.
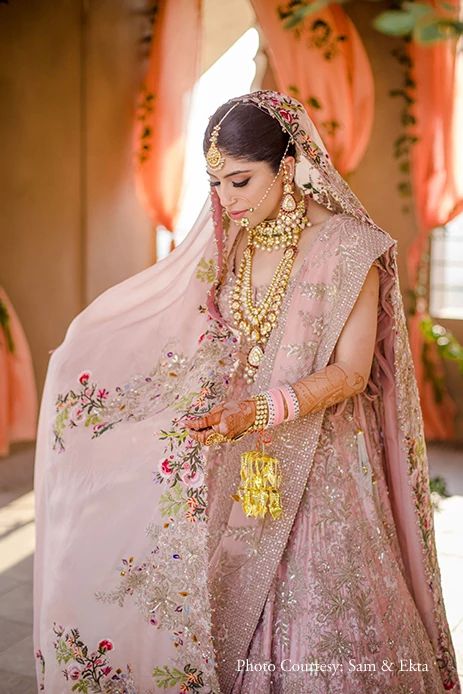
(437, 175)
(164, 107)
(18, 392)
(332, 77)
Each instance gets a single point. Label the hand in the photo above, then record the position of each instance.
(229, 419)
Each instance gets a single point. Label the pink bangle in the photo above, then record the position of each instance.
(278, 401)
(292, 402)
(289, 403)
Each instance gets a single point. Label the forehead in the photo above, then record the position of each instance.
(234, 164)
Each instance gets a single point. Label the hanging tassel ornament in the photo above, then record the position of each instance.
(259, 490)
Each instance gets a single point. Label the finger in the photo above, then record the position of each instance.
(204, 422)
(216, 408)
(226, 424)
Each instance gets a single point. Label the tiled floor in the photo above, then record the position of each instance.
(17, 545)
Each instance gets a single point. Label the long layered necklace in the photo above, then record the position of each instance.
(256, 320)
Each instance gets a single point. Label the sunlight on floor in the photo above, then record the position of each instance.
(16, 531)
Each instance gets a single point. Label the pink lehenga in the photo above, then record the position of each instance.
(148, 576)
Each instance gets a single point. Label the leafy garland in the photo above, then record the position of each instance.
(421, 21)
(403, 143)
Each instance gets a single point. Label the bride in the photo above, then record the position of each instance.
(231, 475)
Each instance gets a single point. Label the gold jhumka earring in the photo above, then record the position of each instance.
(288, 203)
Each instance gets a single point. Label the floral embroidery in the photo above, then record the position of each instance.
(301, 351)
(319, 290)
(165, 585)
(189, 678)
(41, 659)
(84, 405)
(206, 270)
(169, 590)
(90, 671)
(168, 384)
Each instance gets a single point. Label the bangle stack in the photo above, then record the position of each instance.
(270, 409)
(276, 398)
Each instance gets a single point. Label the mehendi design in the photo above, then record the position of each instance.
(327, 387)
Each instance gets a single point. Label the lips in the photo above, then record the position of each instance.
(238, 214)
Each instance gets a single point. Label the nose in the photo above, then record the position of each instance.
(227, 197)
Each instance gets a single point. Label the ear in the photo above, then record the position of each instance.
(289, 163)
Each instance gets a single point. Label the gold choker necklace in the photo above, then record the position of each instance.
(280, 232)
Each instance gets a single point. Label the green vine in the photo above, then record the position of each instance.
(403, 144)
(421, 21)
(447, 344)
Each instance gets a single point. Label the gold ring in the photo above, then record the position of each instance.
(215, 437)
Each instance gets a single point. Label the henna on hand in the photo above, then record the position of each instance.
(229, 419)
(327, 387)
(237, 417)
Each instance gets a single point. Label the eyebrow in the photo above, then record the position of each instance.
(233, 173)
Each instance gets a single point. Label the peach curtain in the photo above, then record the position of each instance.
(163, 109)
(18, 392)
(323, 63)
(437, 175)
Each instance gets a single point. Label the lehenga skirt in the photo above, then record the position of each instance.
(339, 616)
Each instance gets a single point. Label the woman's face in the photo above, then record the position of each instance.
(241, 184)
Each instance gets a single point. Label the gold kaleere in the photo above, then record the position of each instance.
(259, 491)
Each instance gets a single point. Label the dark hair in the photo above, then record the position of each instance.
(249, 133)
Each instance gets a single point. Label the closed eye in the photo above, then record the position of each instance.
(236, 184)
(241, 184)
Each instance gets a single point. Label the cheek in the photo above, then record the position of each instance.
(265, 188)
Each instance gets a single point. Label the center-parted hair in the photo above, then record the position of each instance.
(249, 133)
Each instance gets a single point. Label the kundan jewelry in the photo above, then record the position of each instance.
(289, 202)
(281, 232)
(214, 157)
(256, 320)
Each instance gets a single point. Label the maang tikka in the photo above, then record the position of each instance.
(214, 157)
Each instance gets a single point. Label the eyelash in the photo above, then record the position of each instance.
(241, 184)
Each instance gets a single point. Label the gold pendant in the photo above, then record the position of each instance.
(255, 355)
(289, 203)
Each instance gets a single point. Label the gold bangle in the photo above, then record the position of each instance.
(262, 413)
